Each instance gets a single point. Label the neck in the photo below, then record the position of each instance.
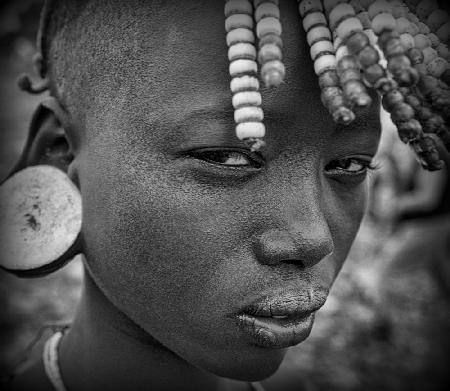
(104, 349)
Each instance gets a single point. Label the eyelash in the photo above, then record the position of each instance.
(208, 156)
(367, 166)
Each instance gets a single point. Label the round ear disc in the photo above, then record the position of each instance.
(40, 221)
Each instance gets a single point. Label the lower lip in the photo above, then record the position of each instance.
(276, 333)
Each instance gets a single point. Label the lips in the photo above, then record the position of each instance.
(281, 318)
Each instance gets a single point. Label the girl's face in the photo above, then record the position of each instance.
(220, 254)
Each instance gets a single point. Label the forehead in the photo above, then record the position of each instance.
(155, 59)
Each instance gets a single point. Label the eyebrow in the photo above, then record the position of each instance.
(217, 122)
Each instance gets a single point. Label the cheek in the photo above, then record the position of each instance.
(345, 210)
(159, 237)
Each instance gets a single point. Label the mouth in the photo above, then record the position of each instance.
(281, 319)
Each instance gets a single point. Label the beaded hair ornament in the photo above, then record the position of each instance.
(397, 48)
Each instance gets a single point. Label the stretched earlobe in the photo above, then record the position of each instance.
(40, 206)
(46, 133)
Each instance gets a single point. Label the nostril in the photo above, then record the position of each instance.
(277, 246)
(274, 246)
(296, 262)
(316, 250)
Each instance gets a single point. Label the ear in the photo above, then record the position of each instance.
(48, 142)
(40, 205)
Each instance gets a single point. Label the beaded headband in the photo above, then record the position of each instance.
(397, 48)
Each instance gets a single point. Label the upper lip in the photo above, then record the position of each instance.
(292, 303)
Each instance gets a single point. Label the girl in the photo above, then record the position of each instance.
(206, 254)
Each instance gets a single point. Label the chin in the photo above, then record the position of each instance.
(256, 366)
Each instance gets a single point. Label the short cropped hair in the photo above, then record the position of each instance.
(56, 44)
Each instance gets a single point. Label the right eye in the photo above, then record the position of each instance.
(229, 158)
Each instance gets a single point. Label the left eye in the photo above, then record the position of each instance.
(349, 166)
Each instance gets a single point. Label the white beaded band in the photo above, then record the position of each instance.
(51, 364)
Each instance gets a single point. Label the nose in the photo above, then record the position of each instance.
(302, 238)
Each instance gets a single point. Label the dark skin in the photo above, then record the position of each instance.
(175, 238)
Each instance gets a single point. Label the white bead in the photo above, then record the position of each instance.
(238, 21)
(238, 7)
(340, 12)
(244, 83)
(246, 98)
(373, 39)
(314, 19)
(269, 52)
(337, 42)
(273, 72)
(242, 51)
(324, 63)
(238, 67)
(383, 21)
(266, 10)
(318, 33)
(307, 6)
(349, 26)
(341, 52)
(321, 47)
(248, 114)
(240, 35)
(268, 26)
(250, 130)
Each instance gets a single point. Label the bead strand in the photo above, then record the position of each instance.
(385, 27)
(399, 65)
(429, 86)
(435, 18)
(344, 22)
(419, 47)
(268, 30)
(427, 153)
(243, 69)
(318, 36)
(432, 69)
(437, 21)
(420, 44)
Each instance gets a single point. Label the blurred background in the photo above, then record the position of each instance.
(386, 325)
